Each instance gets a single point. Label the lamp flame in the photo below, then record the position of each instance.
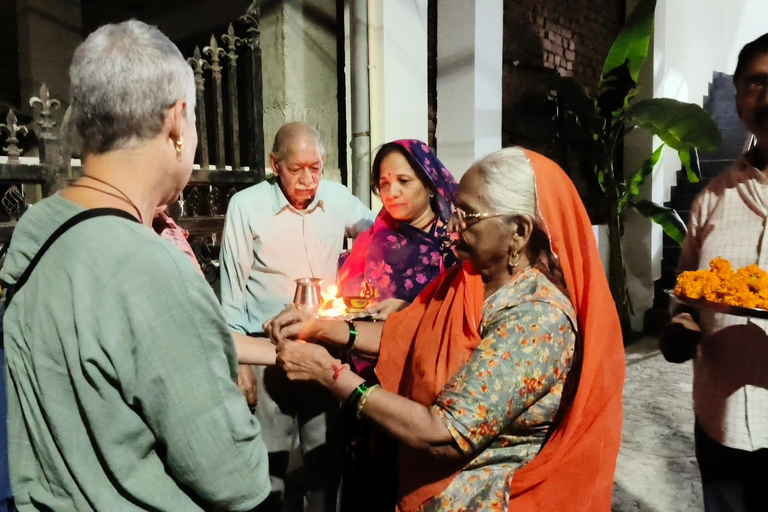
(333, 306)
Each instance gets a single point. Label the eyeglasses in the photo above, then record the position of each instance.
(460, 217)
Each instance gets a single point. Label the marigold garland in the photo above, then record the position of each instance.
(746, 287)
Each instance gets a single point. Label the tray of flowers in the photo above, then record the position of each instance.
(741, 292)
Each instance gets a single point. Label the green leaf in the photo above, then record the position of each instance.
(665, 217)
(633, 40)
(638, 178)
(600, 178)
(614, 93)
(688, 159)
(571, 95)
(681, 126)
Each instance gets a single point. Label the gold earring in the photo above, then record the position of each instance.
(513, 260)
(179, 144)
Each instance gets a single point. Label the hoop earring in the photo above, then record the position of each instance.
(179, 145)
(513, 261)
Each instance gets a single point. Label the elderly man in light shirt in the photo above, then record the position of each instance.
(288, 227)
(730, 353)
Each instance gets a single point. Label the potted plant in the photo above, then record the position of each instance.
(597, 123)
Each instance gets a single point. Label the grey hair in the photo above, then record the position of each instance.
(124, 78)
(511, 187)
(290, 130)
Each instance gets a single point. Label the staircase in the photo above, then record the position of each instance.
(721, 104)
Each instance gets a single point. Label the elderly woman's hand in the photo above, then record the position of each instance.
(386, 307)
(307, 362)
(290, 324)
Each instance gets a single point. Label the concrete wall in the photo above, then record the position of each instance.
(298, 41)
(693, 39)
(9, 64)
(48, 33)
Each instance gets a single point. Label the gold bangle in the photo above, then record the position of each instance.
(363, 399)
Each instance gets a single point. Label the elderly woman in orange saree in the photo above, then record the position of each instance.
(502, 382)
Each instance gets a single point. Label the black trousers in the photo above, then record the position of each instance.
(733, 480)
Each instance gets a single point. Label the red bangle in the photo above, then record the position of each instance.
(337, 371)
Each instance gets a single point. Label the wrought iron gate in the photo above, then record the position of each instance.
(234, 161)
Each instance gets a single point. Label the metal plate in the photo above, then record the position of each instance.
(361, 315)
(722, 308)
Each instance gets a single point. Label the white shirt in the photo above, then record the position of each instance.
(730, 384)
(268, 244)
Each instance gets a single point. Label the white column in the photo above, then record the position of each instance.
(398, 69)
(469, 73)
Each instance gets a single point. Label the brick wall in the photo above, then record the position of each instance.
(570, 37)
(576, 35)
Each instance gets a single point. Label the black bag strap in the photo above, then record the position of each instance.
(13, 289)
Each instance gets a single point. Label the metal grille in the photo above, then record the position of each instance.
(238, 155)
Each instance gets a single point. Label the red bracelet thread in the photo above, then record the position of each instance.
(337, 371)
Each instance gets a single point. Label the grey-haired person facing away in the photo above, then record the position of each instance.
(120, 365)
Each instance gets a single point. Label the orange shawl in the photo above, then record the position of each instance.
(423, 346)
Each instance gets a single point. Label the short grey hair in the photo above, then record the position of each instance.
(288, 132)
(511, 186)
(124, 78)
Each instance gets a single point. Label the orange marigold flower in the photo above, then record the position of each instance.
(745, 287)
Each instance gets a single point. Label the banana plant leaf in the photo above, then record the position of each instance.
(681, 126)
(614, 91)
(638, 178)
(665, 217)
(572, 96)
(690, 161)
(633, 40)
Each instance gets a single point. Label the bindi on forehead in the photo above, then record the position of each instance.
(397, 173)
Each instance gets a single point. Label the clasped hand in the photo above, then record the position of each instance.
(680, 338)
(300, 360)
(291, 324)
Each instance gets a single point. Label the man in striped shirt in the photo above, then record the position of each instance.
(730, 354)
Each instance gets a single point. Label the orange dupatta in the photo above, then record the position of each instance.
(423, 347)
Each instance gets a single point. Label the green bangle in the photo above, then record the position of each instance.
(356, 394)
(352, 336)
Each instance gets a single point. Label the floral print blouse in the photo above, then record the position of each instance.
(501, 403)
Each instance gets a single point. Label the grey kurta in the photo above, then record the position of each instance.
(121, 371)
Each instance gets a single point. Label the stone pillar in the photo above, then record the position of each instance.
(49, 31)
(9, 64)
(469, 80)
(298, 42)
(397, 34)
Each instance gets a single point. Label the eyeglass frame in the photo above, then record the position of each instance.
(462, 216)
